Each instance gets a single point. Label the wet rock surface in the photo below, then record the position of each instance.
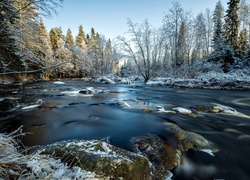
(165, 153)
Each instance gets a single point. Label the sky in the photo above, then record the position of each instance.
(109, 17)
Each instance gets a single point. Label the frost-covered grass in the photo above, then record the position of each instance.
(20, 165)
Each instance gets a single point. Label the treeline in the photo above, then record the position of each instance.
(220, 37)
(27, 47)
(184, 42)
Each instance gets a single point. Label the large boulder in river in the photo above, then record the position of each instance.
(102, 158)
(165, 152)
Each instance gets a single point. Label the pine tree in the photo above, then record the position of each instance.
(69, 38)
(232, 25)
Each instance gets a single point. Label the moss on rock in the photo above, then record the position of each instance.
(102, 158)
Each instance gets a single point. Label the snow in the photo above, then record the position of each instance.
(104, 149)
(182, 110)
(45, 167)
(126, 104)
(33, 106)
(161, 109)
(59, 82)
(209, 151)
(229, 110)
(75, 93)
(169, 176)
(30, 107)
(210, 80)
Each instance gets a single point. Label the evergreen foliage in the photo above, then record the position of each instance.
(218, 38)
(9, 58)
(69, 38)
(232, 25)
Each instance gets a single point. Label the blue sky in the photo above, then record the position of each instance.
(109, 17)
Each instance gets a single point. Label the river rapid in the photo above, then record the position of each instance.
(116, 113)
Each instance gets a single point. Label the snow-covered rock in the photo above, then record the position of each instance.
(88, 90)
(33, 106)
(102, 158)
(182, 110)
(59, 82)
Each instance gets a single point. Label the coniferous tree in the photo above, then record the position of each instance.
(243, 43)
(54, 39)
(81, 39)
(46, 49)
(69, 38)
(200, 33)
(27, 38)
(9, 60)
(232, 25)
(218, 39)
(181, 45)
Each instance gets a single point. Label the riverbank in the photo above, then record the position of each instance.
(211, 80)
(235, 80)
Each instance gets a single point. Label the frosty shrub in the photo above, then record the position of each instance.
(196, 69)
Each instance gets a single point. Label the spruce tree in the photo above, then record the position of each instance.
(243, 43)
(69, 38)
(218, 39)
(9, 60)
(54, 39)
(232, 25)
(81, 38)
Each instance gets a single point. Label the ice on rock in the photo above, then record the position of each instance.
(229, 110)
(208, 151)
(58, 82)
(182, 110)
(33, 106)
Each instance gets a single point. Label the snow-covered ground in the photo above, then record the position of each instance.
(234, 80)
(210, 80)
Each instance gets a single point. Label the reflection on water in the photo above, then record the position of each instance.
(120, 112)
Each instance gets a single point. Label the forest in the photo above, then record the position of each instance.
(184, 46)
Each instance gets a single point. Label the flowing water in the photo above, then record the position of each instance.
(119, 112)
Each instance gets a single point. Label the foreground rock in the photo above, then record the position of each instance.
(102, 158)
(165, 153)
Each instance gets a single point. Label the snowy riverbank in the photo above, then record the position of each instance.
(212, 80)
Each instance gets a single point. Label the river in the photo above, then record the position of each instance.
(119, 112)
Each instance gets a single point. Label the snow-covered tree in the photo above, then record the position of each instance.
(69, 38)
(46, 49)
(232, 25)
(9, 58)
(81, 39)
(145, 47)
(218, 35)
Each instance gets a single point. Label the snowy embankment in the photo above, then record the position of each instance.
(17, 165)
(212, 80)
(236, 80)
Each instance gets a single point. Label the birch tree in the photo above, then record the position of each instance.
(144, 47)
